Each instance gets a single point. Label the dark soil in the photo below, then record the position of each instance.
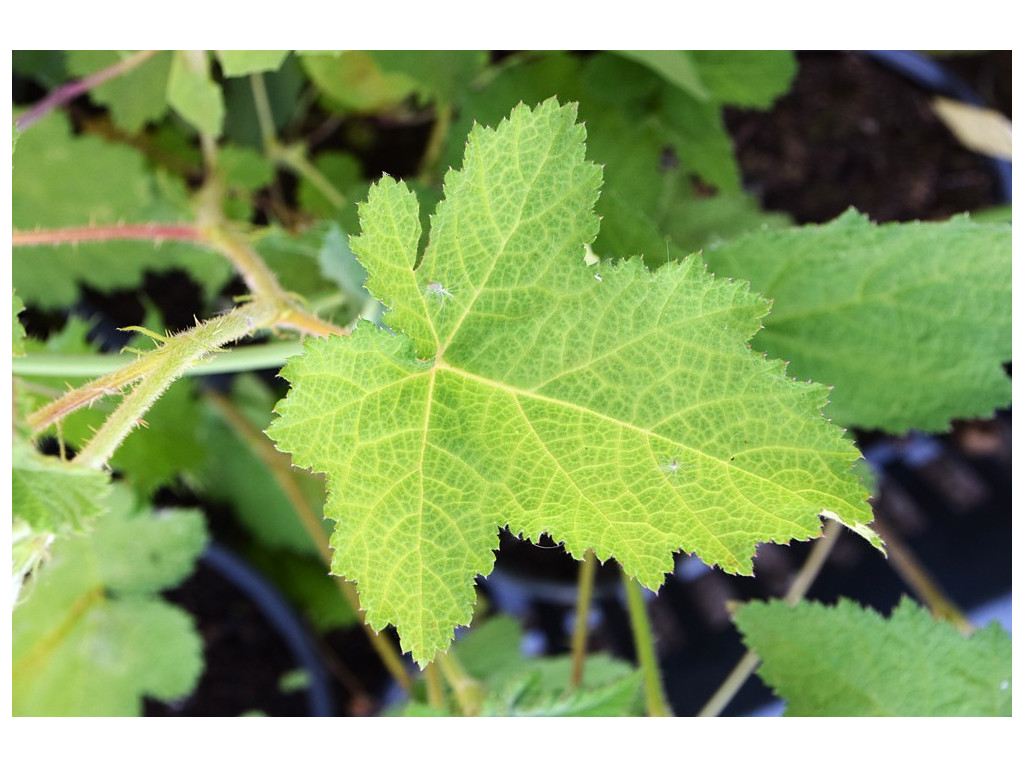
(853, 133)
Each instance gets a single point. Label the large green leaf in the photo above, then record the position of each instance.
(615, 409)
(845, 661)
(92, 637)
(909, 322)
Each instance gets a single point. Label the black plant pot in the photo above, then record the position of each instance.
(251, 638)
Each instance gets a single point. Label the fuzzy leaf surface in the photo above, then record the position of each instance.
(624, 414)
(909, 322)
(92, 637)
(847, 661)
(51, 495)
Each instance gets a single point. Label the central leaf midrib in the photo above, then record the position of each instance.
(440, 364)
(501, 251)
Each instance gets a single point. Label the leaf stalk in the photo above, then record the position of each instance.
(643, 639)
(584, 595)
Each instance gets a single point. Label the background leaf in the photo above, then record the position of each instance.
(193, 94)
(677, 67)
(61, 180)
(51, 495)
(134, 98)
(240, 63)
(93, 638)
(751, 79)
(910, 330)
(847, 661)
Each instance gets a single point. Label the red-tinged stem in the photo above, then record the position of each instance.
(65, 93)
(153, 232)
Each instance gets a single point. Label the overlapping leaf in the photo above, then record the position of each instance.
(845, 661)
(909, 322)
(613, 408)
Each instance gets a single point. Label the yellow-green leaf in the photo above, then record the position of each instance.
(613, 408)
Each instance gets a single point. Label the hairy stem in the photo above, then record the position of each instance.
(65, 93)
(272, 306)
(804, 578)
(155, 233)
(643, 639)
(584, 594)
(86, 395)
(167, 363)
(280, 468)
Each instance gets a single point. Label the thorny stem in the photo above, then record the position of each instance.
(643, 639)
(584, 594)
(917, 577)
(165, 364)
(65, 93)
(280, 467)
(801, 583)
